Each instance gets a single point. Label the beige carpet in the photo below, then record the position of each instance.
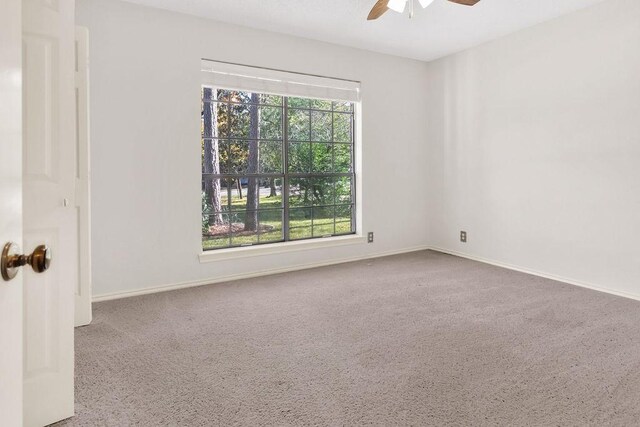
(416, 339)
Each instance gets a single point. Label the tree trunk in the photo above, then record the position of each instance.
(306, 195)
(211, 155)
(253, 189)
(272, 186)
(239, 185)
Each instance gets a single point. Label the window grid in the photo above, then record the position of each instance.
(286, 175)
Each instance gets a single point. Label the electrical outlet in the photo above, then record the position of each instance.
(463, 236)
(370, 237)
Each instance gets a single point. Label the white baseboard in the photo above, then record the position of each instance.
(537, 273)
(230, 278)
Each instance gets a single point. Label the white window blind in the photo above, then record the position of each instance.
(263, 80)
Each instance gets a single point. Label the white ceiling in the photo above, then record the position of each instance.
(441, 29)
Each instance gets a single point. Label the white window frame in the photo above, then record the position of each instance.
(265, 80)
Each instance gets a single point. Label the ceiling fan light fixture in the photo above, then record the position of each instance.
(382, 6)
(397, 5)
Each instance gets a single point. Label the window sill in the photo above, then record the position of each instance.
(278, 248)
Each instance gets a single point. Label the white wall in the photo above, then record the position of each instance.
(534, 148)
(145, 109)
(531, 144)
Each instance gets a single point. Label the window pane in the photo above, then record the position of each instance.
(321, 104)
(343, 190)
(232, 95)
(270, 123)
(238, 193)
(342, 127)
(215, 231)
(238, 120)
(320, 126)
(270, 193)
(270, 157)
(322, 191)
(299, 157)
(240, 197)
(343, 220)
(342, 158)
(311, 191)
(300, 223)
(223, 94)
(225, 200)
(214, 195)
(219, 149)
(299, 102)
(323, 221)
(300, 192)
(270, 222)
(222, 120)
(208, 127)
(322, 157)
(206, 203)
(237, 156)
(244, 228)
(270, 99)
(342, 106)
(299, 125)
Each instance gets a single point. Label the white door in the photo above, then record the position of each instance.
(50, 169)
(10, 210)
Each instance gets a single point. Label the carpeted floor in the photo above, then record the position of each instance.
(416, 339)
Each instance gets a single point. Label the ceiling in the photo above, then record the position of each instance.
(441, 29)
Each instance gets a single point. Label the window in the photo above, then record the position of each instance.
(275, 168)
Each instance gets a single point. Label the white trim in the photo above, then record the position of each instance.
(229, 278)
(278, 248)
(578, 283)
(211, 74)
(266, 80)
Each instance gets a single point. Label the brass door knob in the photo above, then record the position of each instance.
(11, 261)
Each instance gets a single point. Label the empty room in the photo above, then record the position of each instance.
(319, 213)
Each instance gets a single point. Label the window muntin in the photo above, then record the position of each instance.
(275, 168)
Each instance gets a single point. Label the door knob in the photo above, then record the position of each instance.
(11, 261)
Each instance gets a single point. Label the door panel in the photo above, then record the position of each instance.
(41, 352)
(50, 216)
(10, 209)
(41, 151)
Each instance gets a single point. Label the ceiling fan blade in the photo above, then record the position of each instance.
(465, 2)
(379, 9)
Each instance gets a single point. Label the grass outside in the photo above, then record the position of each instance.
(304, 222)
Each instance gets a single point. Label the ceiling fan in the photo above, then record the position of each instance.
(381, 6)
